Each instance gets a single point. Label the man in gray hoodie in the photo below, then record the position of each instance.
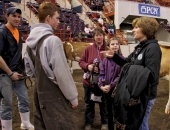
(54, 86)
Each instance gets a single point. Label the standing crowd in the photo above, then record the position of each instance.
(124, 87)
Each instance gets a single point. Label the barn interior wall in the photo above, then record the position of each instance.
(125, 8)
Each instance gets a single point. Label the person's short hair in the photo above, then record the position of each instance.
(45, 9)
(97, 31)
(118, 39)
(86, 25)
(148, 25)
(13, 10)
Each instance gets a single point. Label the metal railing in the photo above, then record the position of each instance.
(121, 36)
(109, 8)
(165, 3)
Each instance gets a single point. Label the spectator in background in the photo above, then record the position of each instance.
(148, 2)
(68, 28)
(87, 2)
(69, 33)
(103, 27)
(82, 34)
(100, 20)
(111, 28)
(99, 5)
(88, 31)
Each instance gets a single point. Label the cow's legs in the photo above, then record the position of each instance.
(71, 68)
(70, 62)
(167, 109)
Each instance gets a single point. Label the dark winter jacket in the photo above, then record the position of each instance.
(132, 96)
(146, 54)
(10, 51)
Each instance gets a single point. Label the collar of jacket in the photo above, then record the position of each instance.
(103, 47)
(146, 42)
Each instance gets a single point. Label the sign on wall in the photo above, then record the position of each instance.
(149, 10)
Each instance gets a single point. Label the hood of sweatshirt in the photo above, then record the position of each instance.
(37, 32)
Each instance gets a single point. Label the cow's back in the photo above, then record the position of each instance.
(79, 48)
(165, 61)
(75, 49)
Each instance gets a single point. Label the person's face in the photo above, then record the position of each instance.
(137, 33)
(114, 45)
(68, 29)
(14, 19)
(98, 37)
(54, 20)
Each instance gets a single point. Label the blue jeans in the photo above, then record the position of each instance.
(111, 31)
(144, 125)
(19, 88)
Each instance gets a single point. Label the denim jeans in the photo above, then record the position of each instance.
(20, 90)
(111, 31)
(144, 125)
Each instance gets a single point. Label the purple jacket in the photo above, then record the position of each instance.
(109, 71)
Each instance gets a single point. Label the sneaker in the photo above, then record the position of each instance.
(87, 127)
(104, 127)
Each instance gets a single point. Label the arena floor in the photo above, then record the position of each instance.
(158, 120)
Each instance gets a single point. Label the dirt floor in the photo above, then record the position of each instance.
(158, 119)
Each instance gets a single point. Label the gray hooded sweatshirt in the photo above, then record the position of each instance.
(53, 60)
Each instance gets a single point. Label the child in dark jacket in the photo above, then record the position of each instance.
(109, 74)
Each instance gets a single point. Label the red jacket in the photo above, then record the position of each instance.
(88, 56)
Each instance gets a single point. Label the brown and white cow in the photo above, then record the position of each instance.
(74, 50)
(165, 67)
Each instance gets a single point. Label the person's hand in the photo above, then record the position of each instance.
(74, 106)
(102, 88)
(107, 88)
(90, 67)
(15, 76)
(96, 69)
(109, 53)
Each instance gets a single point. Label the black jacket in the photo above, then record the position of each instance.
(147, 54)
(10, 51)
(131, 97)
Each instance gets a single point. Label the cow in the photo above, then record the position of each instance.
(165, 68)
(74, 50)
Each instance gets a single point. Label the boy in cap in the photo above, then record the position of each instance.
(10, 60)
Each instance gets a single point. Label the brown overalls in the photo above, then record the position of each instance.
(52, 111)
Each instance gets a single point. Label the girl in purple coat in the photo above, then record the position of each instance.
(109, 74)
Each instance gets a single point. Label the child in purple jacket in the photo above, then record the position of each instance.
(109, 74)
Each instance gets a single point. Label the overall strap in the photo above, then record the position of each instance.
(40, 43)
(29, 50)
